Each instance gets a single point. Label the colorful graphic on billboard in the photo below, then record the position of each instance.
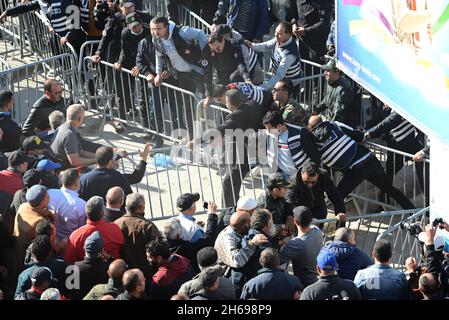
(399, 50)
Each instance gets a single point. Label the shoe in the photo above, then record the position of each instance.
(118, 127)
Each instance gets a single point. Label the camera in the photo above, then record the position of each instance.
(205, 205)
(413, 228)
(437, 223)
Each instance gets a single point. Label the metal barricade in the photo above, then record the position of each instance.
(368, 228)
(155, 8)
(119, 95)
(366, 197)
(11, 31)
(191, 19)
(26, 82)
(404, 242)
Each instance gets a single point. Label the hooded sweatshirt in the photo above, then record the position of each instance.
(169, 278)
(350, 259)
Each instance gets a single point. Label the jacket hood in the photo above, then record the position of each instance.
(178, 265)
(322, 131)
(342, 250)
(171, 27)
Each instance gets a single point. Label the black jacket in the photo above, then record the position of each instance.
(11, 133)
(300, 195)
(434, 263)
(130, 42)
(331, 288)
(99, 181)
(246, 116)
(137, 174)
(279, 208)
(92, 271)
(314, 16)
(38, 116)
(189, 250)
(146, 57)
(230, 60)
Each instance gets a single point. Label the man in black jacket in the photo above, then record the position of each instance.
(93, 269)
(10, 130)
(227, 58)
(130, 38)
(310, 185)
(37, 120)
(330, 286)
(403, 136)
(244, 116)
(273, 199)
(337, 144)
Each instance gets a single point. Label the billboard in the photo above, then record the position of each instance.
(399, 51)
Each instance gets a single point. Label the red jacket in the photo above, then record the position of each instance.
(112, 239)
(10, 181)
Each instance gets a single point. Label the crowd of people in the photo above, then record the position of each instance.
(72, 228)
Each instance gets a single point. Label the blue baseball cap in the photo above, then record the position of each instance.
(48, 165)
(326, 261)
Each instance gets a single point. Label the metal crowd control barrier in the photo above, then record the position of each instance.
(134, 101)
(26, 82)
(12, 28)
(155, 8)
(191, 19)
(365, 195)
(404, 243)
(368, 228)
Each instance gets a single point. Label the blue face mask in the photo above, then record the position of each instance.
(5, 113)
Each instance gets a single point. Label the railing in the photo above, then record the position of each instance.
(26, 82)
(134, 101)
(191, 19)
(405, 243)
(368, 228)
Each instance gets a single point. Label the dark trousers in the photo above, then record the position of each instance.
(232, 181)
(371, 170)
(320, 212)
(125, 84)
(395, 162)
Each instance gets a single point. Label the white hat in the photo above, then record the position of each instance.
(246, 203)
(438, 240)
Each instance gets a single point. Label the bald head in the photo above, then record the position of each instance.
(428, 285)
(74, 111)
(345, 235)
(240, 221)
(107, 297)
(134, 281)
(115, 197)
(116, 269)
(314, 121)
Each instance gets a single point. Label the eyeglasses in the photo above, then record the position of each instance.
(278, 89)
(59, 92)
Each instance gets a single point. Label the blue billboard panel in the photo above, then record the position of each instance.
(399, 50)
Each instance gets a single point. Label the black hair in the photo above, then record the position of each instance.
(311, 168)
(234, 96)
(158, 247)
(273, 118)
(160, 19)
(103, 155)
(287, 26)
(41, 247)
(219, 90)
(69, 177)
(5, 97)
(214, 37)
(269, 258)
(382, 250)
(260, 218)
(287, 84)
(43, 228)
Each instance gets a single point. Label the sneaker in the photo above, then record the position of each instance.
(119, 128)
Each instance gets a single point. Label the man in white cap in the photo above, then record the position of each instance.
(245, 203)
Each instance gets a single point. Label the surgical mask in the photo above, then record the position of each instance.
(135, 33)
